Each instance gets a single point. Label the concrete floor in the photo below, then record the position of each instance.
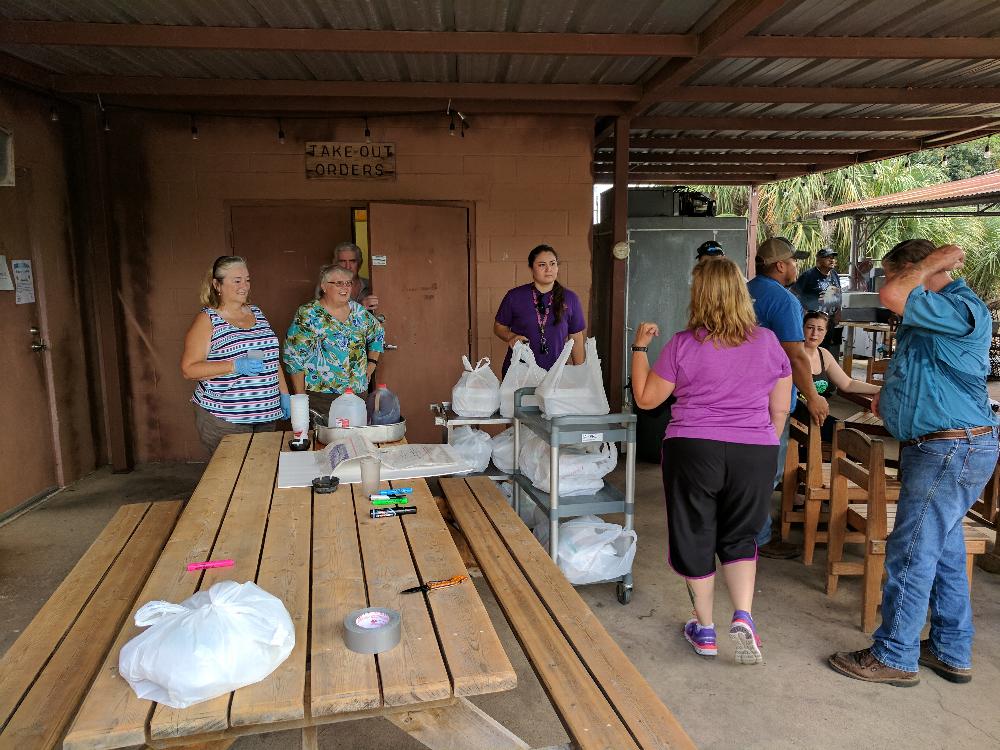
(793, 701)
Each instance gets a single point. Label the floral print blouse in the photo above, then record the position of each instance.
(333, 354)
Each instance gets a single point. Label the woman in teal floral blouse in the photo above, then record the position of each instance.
(333, 343)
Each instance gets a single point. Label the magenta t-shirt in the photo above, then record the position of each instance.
(722, 392)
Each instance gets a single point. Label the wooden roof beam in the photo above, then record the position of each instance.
(864, 48)
(717, 169)
(697, 177)
(29, 74)
(817, 124)
(832, 94)
(775, 144)
(657, 157)
(56, 33)
(734, 23)
(162, 86)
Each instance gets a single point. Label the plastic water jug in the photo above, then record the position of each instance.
(383, 406)
(348, 410)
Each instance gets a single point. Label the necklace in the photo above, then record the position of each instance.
(541, 307)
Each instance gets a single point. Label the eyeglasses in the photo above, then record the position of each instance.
(340, 284)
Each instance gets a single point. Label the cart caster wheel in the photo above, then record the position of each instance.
(624, 593)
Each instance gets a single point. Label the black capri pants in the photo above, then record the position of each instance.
(718, 497)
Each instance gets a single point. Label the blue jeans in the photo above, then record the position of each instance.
(765, 533)
(925, 553)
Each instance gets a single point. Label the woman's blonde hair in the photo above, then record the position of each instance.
(329, 270)
(209, 293)
(720, 303)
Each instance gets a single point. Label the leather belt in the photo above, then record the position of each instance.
(948, 435)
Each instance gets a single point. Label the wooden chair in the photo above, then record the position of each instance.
(876, 370)
(860, 459)
(987, 508)
(812, 477)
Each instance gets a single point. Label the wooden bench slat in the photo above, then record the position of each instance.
(240, 539)
(413, 671)
(49, 706)
(583, 708)
(340, 679)
(476, 660)
(27, 656)
(652, 723)
(284, 572)
(112, 716)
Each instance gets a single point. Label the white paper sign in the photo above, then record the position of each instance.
(591, 437)
(6, 282)
(24, 285)
(379, 260)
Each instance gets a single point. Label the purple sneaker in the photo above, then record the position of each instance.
(701, 638)
(743, 631)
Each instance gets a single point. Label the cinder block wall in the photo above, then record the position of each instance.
(528, 178)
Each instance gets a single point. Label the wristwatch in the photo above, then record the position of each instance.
(640, 348)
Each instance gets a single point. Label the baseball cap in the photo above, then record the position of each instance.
(826, 252)
(711, 248)
(778, 248)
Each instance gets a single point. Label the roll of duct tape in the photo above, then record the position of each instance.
(372, 630)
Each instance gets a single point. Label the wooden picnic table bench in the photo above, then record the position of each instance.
(47, 670)
(602, 699)
(323, 556)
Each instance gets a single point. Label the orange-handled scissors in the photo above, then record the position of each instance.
(431, 585)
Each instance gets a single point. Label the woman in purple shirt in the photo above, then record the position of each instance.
(733, 383)
(543, 313)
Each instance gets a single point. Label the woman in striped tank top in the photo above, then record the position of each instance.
(232, 353)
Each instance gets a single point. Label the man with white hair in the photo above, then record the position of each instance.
(348, 255)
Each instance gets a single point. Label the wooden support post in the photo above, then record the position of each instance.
(456, 727)
(619, 268)
(752, 212)
(100, 252)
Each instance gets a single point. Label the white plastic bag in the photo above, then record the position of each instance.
(582, 468)
(593, 550)
(503, 450)
(574, 389)
(473, 446)
(522, 373)
(210, 644)
(477, 392)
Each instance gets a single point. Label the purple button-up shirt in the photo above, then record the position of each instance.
(518, 312)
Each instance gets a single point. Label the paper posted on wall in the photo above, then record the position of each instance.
(342, 458)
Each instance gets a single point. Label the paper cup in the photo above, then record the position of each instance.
(371, 468)
(300, 415)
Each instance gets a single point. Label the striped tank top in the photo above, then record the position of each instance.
(241, 399)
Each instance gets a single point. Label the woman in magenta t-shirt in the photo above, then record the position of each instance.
(732, 381)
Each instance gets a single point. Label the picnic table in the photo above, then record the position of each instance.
(324, 557)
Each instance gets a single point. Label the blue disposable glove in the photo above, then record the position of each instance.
(286, 406)
(247, 366)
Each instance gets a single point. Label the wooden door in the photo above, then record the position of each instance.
(27, 451)
(285, 246)
(423, 292)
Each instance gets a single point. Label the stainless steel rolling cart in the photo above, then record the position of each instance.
(576, 430)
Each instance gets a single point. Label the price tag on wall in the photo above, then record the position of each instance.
(592, 437)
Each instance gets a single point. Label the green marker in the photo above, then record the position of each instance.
(388, 500)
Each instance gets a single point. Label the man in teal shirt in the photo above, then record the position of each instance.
(935, 403)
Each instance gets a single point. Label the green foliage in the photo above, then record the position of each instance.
(787, 208)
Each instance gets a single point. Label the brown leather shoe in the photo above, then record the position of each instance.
(779, 550)
(950, 673)
(862, 665)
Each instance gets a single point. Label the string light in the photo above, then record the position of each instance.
(194, 129)
(368, 133)
(451, 126)
(988, 151)
(104, 115)
(944, 159)
(53, 113)
(281, 132)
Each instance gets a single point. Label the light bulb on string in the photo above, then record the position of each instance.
(106, 125)
(944, 160)
(368, 133)
(281, 132)
(194, 129)
(988, 151)
(53, 113)
(451, 126)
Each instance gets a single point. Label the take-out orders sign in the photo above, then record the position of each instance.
(338, 160)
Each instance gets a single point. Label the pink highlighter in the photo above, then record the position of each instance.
(209, 564)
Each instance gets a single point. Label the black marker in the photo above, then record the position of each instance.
(390, 512)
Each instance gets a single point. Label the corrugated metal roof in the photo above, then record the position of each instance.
(972, 191)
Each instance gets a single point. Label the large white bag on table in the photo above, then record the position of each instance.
(582, 468)
(591, 550)
(474, 446)
(503, 450)
(208, 645)
(523, 372)
(574, 389)
(477, 392)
